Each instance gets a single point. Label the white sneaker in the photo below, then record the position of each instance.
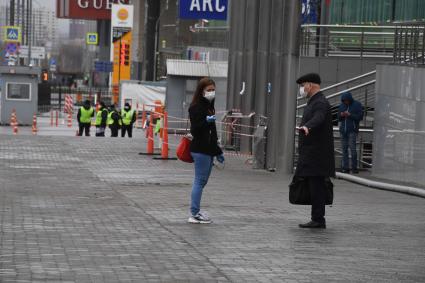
(200, 218)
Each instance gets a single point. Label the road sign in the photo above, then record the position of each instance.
(103, 67)
(204, 9)
(52, 62)
(37, 52)
(11, 48)
(92, 38)
(12, 34)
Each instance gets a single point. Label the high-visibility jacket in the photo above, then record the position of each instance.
(85, 115)
(99, 117)
(127, 117)
(110, 120)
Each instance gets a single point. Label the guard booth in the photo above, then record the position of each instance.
(19, 91)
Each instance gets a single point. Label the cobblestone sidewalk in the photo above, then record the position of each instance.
(93, 210)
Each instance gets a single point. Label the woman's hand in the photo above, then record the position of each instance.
(220, 158)
(211, 119)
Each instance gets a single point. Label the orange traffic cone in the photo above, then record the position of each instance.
(150, 145)
(165, 145)
(34, 124)
(14, 122)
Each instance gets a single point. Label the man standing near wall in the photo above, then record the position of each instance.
(316, 159)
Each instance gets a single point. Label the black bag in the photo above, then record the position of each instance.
(299, 191)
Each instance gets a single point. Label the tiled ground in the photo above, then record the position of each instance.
(93, 210)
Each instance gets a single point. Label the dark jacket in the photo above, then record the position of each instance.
(316, 151)
(104, 117)
(116, 117)
(351, 123)
(204, 134)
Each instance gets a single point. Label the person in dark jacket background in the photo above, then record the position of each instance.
(350, 113)
(316, 159)
(114, 121)
(85, 113)
(101, 120)
(204, 146)
(128, 119)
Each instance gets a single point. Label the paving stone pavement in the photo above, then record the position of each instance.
(93, 210)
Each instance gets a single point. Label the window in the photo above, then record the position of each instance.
(18, 91)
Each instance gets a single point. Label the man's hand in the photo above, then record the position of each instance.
(347, 114)
(305, 130)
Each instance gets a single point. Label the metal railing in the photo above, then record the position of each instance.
(409, 43)
(347, 41)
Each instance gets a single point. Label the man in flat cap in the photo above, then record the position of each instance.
(316, 160)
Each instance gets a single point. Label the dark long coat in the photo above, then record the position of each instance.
(316, 151)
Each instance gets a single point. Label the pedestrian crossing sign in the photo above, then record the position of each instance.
(92, 38)
(12, 34)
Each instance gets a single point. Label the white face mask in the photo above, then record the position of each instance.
(210, 95)
(303, 93)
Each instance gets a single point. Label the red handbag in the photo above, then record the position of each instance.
(183, 150)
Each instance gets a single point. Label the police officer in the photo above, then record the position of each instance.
(101, 120)
(128, 118)
(114, 121)
(85, 113)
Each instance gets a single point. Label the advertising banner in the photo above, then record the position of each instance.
(204, 9)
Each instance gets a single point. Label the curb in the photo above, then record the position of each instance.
(382, 186)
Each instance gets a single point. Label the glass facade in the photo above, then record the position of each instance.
(375, 11)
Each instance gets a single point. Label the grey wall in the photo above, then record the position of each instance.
(399, 140)
(24, 109)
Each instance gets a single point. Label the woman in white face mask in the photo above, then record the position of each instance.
(204, 146)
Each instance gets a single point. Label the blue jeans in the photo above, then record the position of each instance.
(203, 167)
(349, 142)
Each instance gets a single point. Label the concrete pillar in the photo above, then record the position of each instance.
(264, 49)
(104, 31)
(153, 8)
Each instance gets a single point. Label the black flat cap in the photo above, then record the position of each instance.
(310, 78)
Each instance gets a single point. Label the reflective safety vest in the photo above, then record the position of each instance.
(110, 120)
(85, 115)
(99, 117)
(127, 117)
